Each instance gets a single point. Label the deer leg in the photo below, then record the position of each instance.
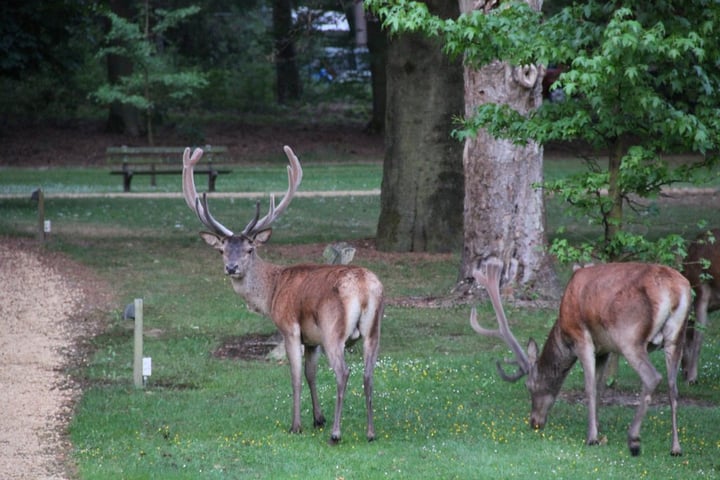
(694, 335)
(370, 353)
(673, 355)
(650, 377)
(293, 349)
(586, 355)
(611, 370)
(312, 355)
(603, 364)
(336, 358)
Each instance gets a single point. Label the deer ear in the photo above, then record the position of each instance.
(263, 236)
(532, 351)
(212, 240)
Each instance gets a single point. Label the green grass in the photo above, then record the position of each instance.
(441, 411)
(322, 172)
(243, 178)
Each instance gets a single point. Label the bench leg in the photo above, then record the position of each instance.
(127, 178)
(212, 176)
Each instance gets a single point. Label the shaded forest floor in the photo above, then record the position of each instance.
(83, 143)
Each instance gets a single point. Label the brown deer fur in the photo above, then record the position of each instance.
(702, 268)
(624, 308)
(315, 306)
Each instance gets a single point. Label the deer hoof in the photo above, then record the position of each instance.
(295, 429)
(334, 440)
(676, 453)
(634, 446)
(319, 422)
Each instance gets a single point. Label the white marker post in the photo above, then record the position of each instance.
(138, 352)
(147, 368)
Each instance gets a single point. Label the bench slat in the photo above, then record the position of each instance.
(159, 154)
(161, 161)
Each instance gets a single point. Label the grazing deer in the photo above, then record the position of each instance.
(702, 268)
(624, 308)
(313, 306)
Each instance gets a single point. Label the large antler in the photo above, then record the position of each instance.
(294, 179)
(197, 204)
(489, 277)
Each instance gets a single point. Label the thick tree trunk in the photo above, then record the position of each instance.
(612, 218)
(288, 85)
(422, 189)
(504, 212)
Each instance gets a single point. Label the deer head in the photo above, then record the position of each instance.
(542, 392)
(238, 250)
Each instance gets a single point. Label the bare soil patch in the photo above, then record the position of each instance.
(623, 398)
(253, 346)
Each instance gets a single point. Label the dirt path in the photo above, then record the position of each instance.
(40, 323)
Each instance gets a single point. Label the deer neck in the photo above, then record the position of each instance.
(257, 286)
(556, 360)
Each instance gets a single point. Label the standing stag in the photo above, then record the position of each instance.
(313, 306)
(702, 268)
(623, 308)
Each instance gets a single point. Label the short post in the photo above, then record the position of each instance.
(41, 214)
(138, 351)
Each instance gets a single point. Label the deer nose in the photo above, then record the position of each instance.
(536, 423)
(231, 269)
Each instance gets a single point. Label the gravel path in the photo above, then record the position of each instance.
(38, 334)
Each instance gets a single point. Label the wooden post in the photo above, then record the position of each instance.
(138, 351)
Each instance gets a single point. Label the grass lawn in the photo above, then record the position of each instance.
(441, 411)
(252, 178)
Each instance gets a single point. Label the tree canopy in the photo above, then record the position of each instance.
(640, 82)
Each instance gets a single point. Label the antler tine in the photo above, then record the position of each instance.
(196, 204)
(489, 277)
(208, 220)
(480, 329)
(294, 178)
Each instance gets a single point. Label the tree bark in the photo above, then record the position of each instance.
(612, 219)
(422, 188)
(504, 212)
(288, 85)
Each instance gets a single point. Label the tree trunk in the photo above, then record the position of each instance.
(504, 213)
(122, 118)
(422, 187)
(612, 218)
(287, 77)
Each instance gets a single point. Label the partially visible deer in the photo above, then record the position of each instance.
(325, 306)
(702, 268)
(624, 308)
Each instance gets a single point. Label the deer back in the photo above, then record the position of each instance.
(618, 304)
(340, 299)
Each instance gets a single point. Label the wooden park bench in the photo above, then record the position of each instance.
(131, 161)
